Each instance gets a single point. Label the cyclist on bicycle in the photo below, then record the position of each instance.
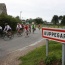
(7, 28)
(39, 26)
(19, 28)
(1, 31)
(29, 28)
(33, 27)
(26, 29)
(22, 29)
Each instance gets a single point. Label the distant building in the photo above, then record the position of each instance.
(3, 8)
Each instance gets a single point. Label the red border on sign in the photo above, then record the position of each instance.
(53, 29)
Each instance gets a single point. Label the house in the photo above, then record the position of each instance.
(3, 8)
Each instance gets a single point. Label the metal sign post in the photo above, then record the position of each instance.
(63, 54)
(47, 45)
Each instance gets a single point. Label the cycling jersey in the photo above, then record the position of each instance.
(19, 26)
(33, 26)
(7, 27)
(0, 28)
(26, 27)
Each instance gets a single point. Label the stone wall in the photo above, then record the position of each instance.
(3, 8)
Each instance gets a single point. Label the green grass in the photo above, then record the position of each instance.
(35, 56)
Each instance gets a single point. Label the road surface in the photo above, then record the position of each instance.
(16, 43)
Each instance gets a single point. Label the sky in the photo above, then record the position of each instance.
(26, 9)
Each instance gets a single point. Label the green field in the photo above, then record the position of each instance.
(39, 54)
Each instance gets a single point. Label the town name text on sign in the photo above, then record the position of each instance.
(54, 34)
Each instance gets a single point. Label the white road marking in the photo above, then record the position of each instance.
(21, 49)
(36, 43)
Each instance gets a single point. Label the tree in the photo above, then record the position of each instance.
(10, 20)
(17, 17)
(30, 21)
(63, 20)
(55, 20)
(38, 20)
(60, 19)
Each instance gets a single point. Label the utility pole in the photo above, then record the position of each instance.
(20, 14)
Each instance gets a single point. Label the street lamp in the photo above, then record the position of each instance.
(20, 14)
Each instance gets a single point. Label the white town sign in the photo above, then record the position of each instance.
(54, 34)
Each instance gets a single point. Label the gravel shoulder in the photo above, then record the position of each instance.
(12, 58)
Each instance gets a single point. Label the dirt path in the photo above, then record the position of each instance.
(12, 58)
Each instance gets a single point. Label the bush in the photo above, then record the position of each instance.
(50, 59)
(10, 20)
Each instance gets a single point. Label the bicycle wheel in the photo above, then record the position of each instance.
(11, 36)
(33, 30)
(5, 37)
(19, 34)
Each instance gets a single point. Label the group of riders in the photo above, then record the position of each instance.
(25, 28)
(20, 28)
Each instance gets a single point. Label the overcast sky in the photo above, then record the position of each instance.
(45, 9)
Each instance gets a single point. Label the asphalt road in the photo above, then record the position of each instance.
(16, 43)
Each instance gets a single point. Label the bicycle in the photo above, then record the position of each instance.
(39, 28)
(19, 33)
(8, 35)
(33, 30)
(27, 33)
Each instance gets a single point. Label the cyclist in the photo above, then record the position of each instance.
(1, 32)
(29, 28)
(19, 28)
(26, 29)
(33, 27)
(22, 27)
(7, 29)
(39, 26)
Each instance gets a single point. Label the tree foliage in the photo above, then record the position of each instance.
(38, 20)
(10, 20)
(58, 20)
(29, 21)
(63, 20)
(60, 17)
(55, 20)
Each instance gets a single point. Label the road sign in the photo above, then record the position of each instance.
(54, 34)
(57, 35)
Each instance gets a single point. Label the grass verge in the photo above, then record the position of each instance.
(39, 54)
